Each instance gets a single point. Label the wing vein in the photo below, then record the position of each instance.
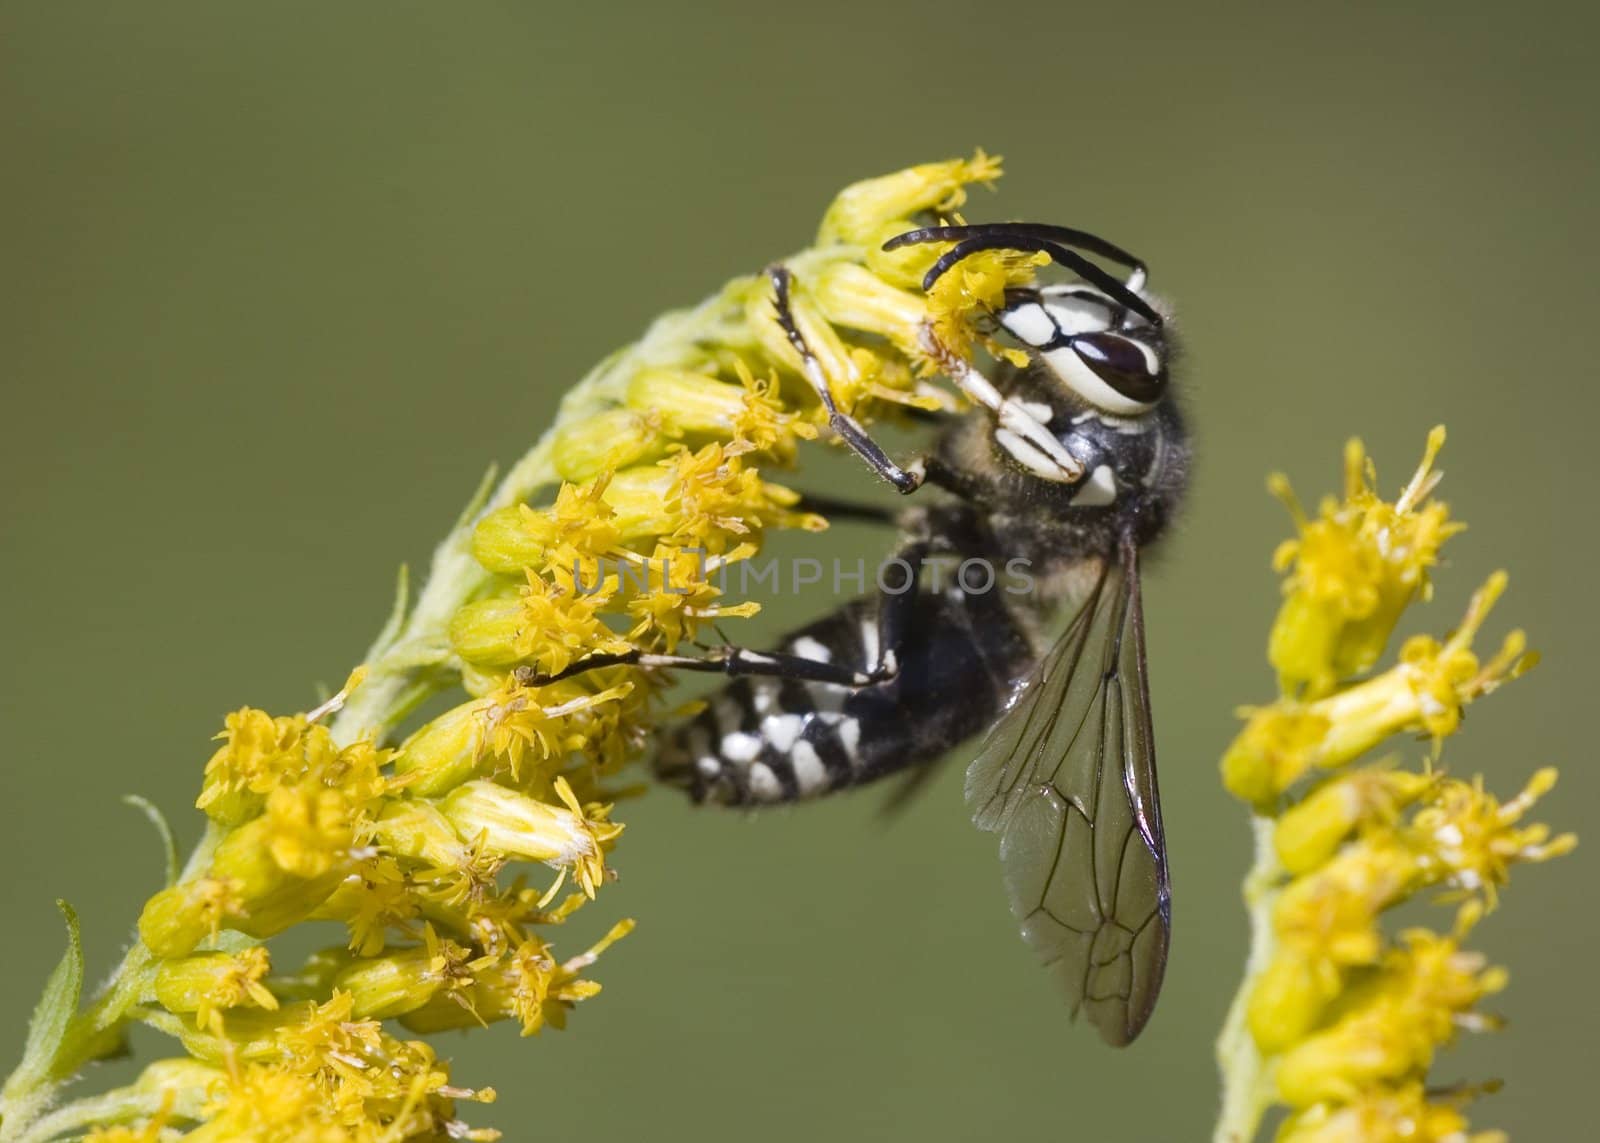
(1093, 904)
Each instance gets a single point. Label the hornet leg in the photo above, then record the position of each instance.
(894, 608)
(849, 429)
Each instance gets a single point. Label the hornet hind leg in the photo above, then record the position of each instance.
(778, 731)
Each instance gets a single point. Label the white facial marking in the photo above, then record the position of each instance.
(741, 747)
(1099, 490)
(764, 783)
(1078, 315)
(782, 729)
(809, 772)
(1127, 426)
(1085, 382)
(1029, 324)
(1151, 365)
(808, 648)
(708, 765)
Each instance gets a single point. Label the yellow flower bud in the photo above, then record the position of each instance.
(528, 986)
(415, 828)
(1273, 750)
(1338, 1065)
(1305, 642)
(1333, 912)
(1311, 832)
(862, 208)
(518, 826)
(177, 919)
(859, 299)
(603, 442)
(503, 542)
(215, 981)
(312, 828)
(265, 876)
(480, 682)
(904, 266)
(381, 987)
(1352, 571)
(258, 751)
(1288, 999)
(1426, 692)
(839, 368)
(486, 631)
(640, 497)
(686, 402)
(268, 897)
(445, 752)
(187, 1086)
(578, 528)
(250, 1035)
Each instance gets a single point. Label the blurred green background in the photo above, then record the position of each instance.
(280, 280)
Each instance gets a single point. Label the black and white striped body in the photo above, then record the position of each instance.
(763, 740)
(960, 653)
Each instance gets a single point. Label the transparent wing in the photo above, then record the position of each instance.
(1067, 778)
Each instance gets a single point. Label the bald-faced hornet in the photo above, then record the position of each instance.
(1074, 462)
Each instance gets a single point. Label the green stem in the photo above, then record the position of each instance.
(96, 1031)
(121, 1105)
(1246, 1083)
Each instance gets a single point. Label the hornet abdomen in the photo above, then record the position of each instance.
(769, 740)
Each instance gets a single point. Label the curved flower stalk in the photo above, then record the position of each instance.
(1337, 1020)
(654, 480)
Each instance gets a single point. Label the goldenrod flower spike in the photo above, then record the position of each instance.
(451, 857)
(1338, 1020)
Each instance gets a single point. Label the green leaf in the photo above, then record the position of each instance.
(397, 614)
(57, 1006)
(169, 844)
(480, 497)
